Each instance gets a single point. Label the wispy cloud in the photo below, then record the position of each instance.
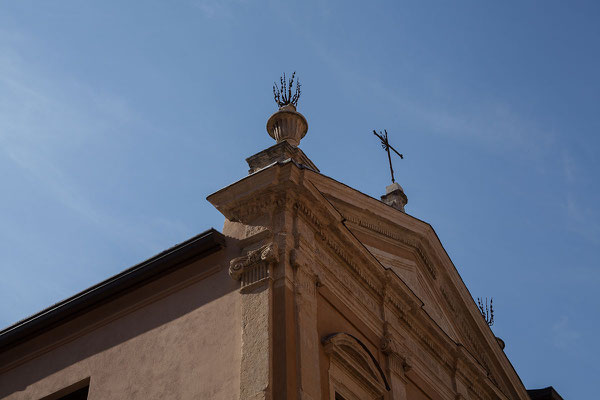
(581, 219)
(216, 8)
(43, 118)
(564, 335)
(569, 167)
(490, 121)
(582, 215)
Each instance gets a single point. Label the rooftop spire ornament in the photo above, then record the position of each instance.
(287, 124)
(386, 146)
(283, 93)
(394, 194)
(488, 312)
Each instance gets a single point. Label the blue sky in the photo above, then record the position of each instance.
(117, 120)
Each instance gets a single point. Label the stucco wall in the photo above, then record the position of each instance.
(177, 338)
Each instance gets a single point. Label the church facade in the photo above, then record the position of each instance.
(312, 291)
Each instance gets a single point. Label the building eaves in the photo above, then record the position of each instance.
(197, 247)
(547, 393)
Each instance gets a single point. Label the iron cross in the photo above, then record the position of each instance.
(386, 146)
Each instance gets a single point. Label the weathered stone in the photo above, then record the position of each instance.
(394, 196)
(288, 125)
(280, 152)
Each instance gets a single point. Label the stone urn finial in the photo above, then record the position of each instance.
(287, 124)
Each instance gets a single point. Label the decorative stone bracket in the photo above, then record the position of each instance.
(255, 265)
(400, 360)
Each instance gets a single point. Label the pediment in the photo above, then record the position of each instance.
(411, 249)
(409, 256)
(407, 250)
(412, 274)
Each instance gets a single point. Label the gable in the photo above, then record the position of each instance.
(402, 253)
(409, 269)
(412, 251)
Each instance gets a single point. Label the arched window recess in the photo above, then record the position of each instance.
(354, 373)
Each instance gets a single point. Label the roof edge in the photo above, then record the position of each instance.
(547, 393)
(200, 245)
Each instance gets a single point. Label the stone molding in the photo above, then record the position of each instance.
(399, 358)
(247, 208)
(404, 239)
(390, 292)
(409, 312)
(255, 265)
(465, 328)
(306, 278)
(351, 356)
(281, 152)
(372, 278)
(366, 280)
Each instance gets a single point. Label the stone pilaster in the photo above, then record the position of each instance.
(309, 385)
(395, 371)
(397, 358)
(254, 270)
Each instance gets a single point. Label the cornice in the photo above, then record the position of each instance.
(401, 298)
(373, 278)
(466, 326)
(346, 285)
(407, 238)
(394, 291)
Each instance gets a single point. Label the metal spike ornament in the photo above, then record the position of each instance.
(487, 312)
(287, 124)
(283, 93)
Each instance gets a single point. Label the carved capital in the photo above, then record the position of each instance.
(387, 342)
(254, 266)
(386, 345)
(398, 354)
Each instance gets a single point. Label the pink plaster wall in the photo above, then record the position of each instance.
(175, 338)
